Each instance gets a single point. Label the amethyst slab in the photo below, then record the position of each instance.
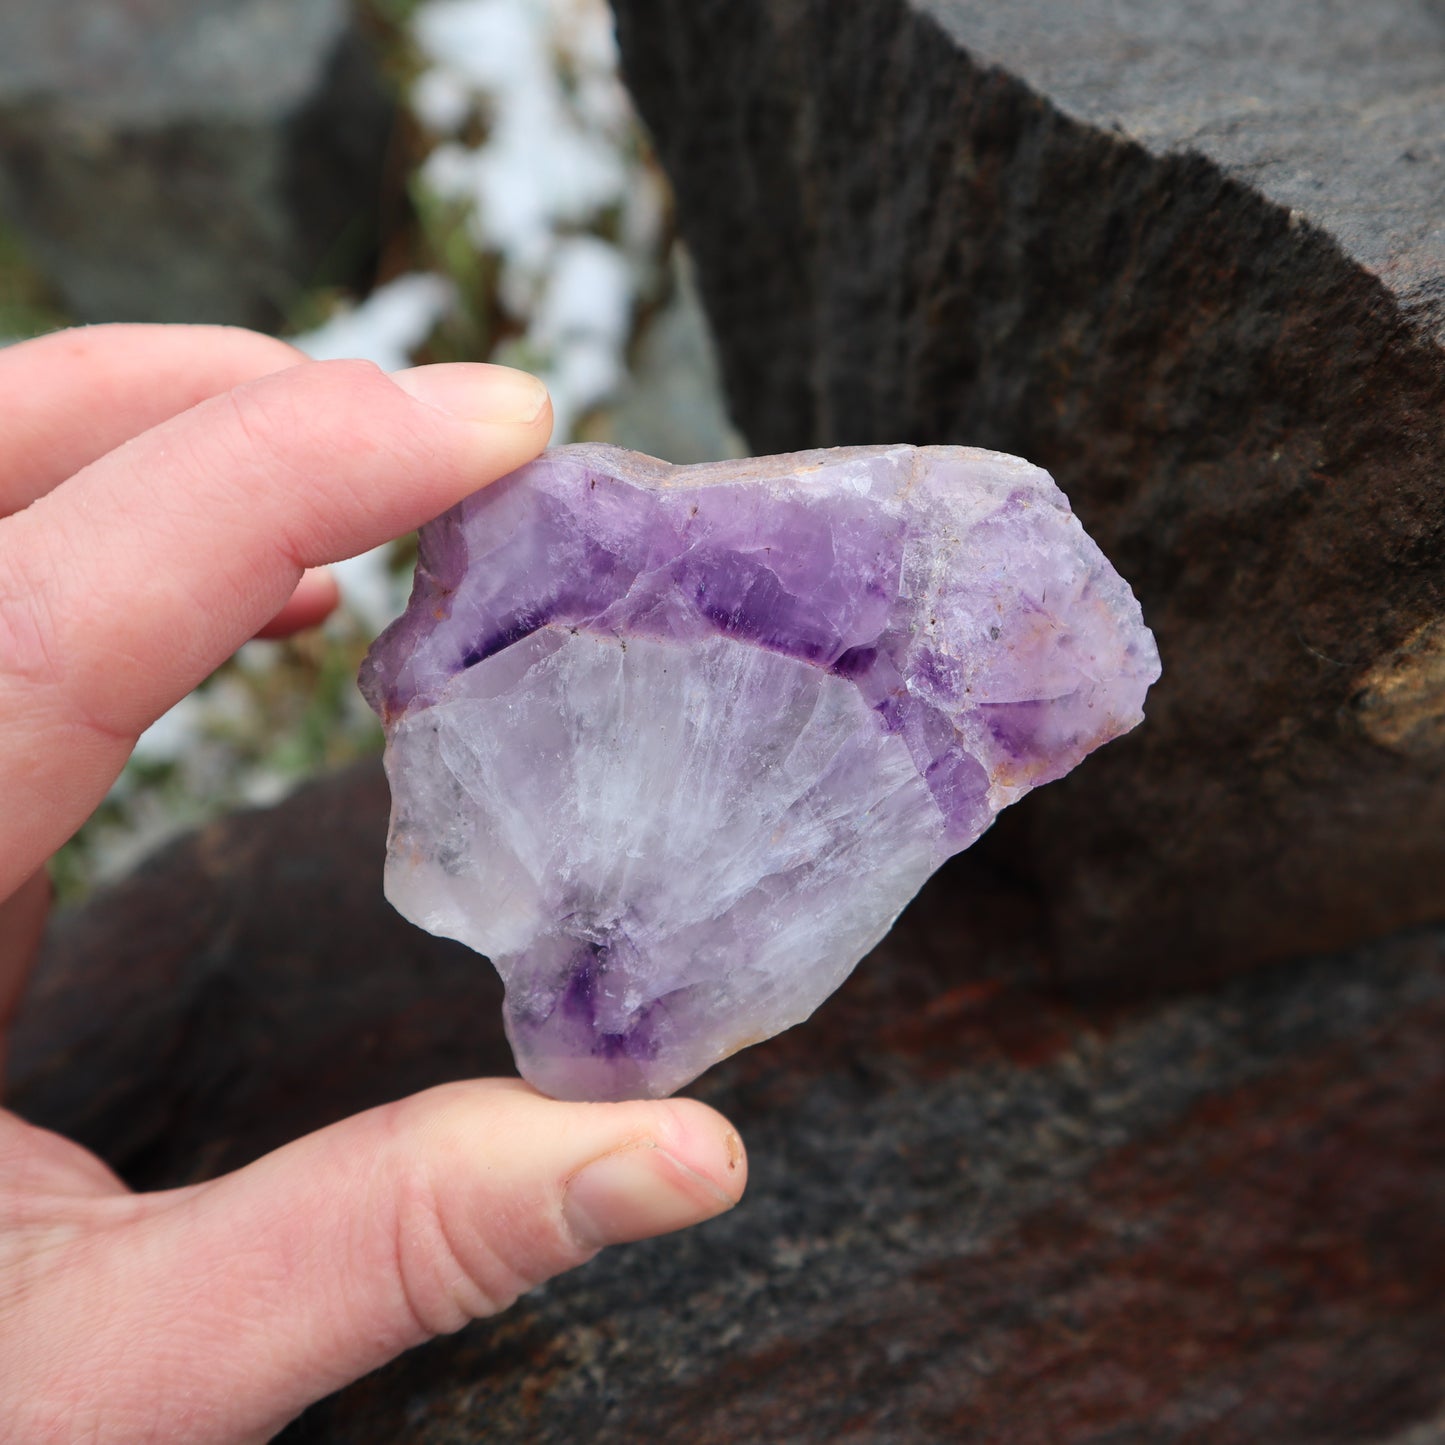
(674, 746)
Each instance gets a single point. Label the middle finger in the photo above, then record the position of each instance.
(69, 398)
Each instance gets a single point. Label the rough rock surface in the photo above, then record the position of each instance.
(1188, 257)
(189, 160)
(674, 746)
(979, 1212)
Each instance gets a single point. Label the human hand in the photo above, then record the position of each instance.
(163, 493)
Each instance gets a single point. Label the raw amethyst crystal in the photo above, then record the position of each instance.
(673, 746)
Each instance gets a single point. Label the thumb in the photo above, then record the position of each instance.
(219, 1312)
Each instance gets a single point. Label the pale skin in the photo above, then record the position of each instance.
(167, 493)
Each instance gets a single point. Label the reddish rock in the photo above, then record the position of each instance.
(980, 1211)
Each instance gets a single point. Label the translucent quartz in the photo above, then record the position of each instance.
(674, 746)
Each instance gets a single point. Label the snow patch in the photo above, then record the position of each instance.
(387, 327)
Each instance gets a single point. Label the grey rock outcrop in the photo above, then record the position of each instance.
(1190, 257)
(189, 160)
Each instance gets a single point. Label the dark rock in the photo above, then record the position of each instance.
(979, 1211)
(190, 160)
(1190, 256)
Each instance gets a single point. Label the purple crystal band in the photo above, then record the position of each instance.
(595, 538)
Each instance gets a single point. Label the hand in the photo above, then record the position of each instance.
(164, 491)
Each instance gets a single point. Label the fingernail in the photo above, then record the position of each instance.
(476, 392)
(636, 1193)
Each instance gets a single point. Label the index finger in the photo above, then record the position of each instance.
(124, 588)
(71, 397)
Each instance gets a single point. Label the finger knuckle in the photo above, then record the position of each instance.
(447, 1271)
(296, 427)
(27, 629)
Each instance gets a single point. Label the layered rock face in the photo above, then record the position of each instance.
(1187, 257)
(675, 745)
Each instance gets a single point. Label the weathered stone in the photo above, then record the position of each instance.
(978, 1212)
(189, 160)
(1189, 257)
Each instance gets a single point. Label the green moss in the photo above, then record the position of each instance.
(26, 305)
